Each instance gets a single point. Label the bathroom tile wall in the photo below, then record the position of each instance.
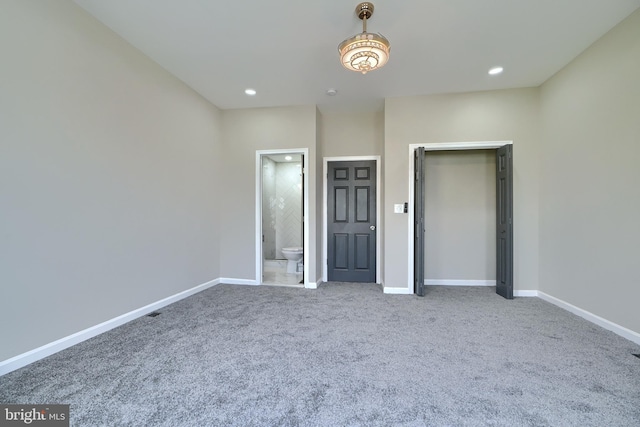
(288, 206)
(269, 208)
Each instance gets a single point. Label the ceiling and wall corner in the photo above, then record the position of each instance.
(437, 46)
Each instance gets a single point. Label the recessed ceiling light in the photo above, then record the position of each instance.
(331, 92)
(496, 70)
(287, 158)
(250, 91)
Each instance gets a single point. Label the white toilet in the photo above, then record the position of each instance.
(294, 256)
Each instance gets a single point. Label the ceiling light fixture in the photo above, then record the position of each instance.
(496, 70)
(364, 52)
(250, 91)
(288, 158)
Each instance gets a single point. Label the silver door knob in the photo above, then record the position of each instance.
(373, 227)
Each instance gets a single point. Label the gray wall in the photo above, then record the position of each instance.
(108, 197)
(590, 179)
(460, 212)
(482, 116)
(352, 134)
(319, 228)
(244, 132)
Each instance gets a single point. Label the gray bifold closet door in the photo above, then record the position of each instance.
(504, 221)
(418, 222)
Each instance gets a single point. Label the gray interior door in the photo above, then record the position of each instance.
(418, 224)
(351, 221)
(504, 222)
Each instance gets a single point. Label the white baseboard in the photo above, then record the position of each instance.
(314, 285)
(398, 291)
(231, 281)
(524, 293)
(442, 282)
(36, 354)
(251, 282)
(604, 323)
(31, 356)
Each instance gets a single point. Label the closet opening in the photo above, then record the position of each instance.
(462, 216)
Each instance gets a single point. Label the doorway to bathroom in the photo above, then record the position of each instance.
(281, 229)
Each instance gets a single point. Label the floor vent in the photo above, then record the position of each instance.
(637, 355)
(154, 314)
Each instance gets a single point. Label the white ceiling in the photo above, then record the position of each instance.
(282, 158)
(287, 49)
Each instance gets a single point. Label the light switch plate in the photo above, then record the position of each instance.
(398, 208)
